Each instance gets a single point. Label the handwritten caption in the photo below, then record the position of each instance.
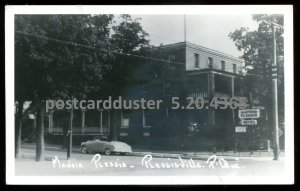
(149, 162)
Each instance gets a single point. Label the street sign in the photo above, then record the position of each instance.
(249, 113)
(240, 129)
(249, 122)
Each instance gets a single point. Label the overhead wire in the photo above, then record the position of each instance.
(94, 48)
(102, 49)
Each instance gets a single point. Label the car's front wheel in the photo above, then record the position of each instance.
(84, 149)
(107, 151)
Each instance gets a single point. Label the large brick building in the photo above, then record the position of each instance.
(193, 71)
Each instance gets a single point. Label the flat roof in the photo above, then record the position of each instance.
(200, 48)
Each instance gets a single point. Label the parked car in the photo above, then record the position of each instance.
(99, 144)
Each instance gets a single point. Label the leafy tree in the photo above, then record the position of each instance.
(129, 35)
(24, 76)
(128, 39)
(59, 56)
(52, 63)
(257, 48)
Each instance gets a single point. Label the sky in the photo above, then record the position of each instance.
(210, 31)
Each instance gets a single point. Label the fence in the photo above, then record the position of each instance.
(78, 130)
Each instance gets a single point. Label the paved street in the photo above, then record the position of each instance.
(101, 165)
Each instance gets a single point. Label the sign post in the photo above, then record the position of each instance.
(248, 117)
(238, 129)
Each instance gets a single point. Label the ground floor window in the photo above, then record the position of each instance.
(147, 115)
(77, 117)
(92, 118)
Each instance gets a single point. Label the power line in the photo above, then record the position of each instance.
(102, 49)
(162, 38)
(94, 48)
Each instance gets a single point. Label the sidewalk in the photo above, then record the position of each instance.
(228, 155)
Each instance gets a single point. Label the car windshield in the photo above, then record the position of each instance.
(101, 138)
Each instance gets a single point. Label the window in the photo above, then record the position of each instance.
(196, 60)
(77, 118)
(123, 134)
(144, 89)
(223, 65)
(92, 118)
(171, 57)
(146, 118)
(124, 119)
(146, 134)
(47, 121)
(168, 88)
(234, 68)
(210, 62)
(60, 119)
(125, 123)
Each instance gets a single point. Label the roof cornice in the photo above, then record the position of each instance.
(200, 48)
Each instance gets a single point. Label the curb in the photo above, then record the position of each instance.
(46, 158)
(156, 155)
(199, 157)
(160, 155)
(52, 148)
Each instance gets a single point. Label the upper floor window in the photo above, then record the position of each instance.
(234, 68)
(171, 57)
(210, 62)
(168, 88)
(223, 65)
(196, 60)
(144, 89)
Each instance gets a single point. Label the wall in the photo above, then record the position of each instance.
(203, 57)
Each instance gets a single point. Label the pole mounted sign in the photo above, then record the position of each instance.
(249, 113)
(249, 122)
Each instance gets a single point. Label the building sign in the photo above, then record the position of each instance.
(249, 122)
(249, 113)
(240, 129)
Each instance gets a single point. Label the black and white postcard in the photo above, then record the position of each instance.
(149, 94)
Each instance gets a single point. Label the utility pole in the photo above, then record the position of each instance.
(184, 28)
(69, 150)
(275, 99)
(274, 91)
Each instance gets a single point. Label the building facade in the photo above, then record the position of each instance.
(196, 72)
(178, 70)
